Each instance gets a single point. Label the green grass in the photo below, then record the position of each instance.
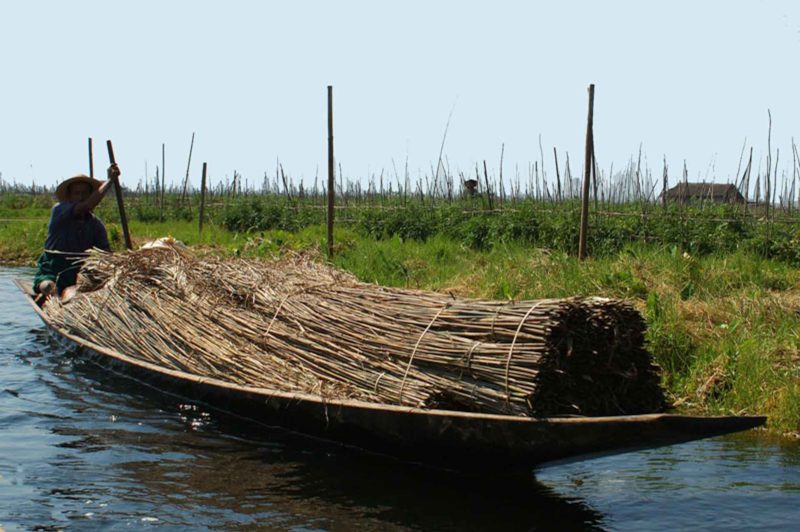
(729, 344)
(21, 241)
(699, 229)
(723, 323)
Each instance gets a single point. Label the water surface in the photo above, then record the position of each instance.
(82, 449)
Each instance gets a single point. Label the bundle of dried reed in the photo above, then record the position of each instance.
(295, 324)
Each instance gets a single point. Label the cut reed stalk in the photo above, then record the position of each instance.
(297, 325)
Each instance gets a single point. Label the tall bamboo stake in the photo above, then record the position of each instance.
(767, 191)
(795, 166)
(202, 198)
(545, 191)
(488, 189)
(586, 177)
(664, 186)
(186, 179)
(558, 175)
(594, 176)
(331, 171)
(502, 187)
(161, 192)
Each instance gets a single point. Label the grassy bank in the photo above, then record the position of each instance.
(723, 328)
(723, 324)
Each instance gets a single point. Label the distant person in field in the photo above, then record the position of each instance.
(73, 230)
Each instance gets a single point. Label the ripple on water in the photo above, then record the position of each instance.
(83, 448)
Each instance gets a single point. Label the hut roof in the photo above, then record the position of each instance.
(710, 191)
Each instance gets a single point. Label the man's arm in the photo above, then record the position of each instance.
(97, 196)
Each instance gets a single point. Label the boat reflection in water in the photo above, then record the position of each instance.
(179, 464)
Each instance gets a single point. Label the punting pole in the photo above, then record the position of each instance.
(123, 219)
(91, 160)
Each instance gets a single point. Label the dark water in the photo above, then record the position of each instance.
(83, 449)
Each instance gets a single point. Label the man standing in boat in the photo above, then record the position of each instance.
(72, 230)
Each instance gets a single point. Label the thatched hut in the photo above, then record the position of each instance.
(715, 192)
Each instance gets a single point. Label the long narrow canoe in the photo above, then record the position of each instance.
(451, 439)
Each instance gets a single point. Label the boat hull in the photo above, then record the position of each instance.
(457, 440)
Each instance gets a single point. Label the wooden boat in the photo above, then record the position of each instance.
(458, 440)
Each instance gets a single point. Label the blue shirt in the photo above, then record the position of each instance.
(70, 233)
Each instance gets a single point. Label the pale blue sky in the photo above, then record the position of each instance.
(687, 79)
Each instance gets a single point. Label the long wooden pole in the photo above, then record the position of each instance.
(488, 188)
(163, 179)
(186, 179)
(91, 159)
(558, 175)
(767, 191)
(120, 204)
(202, 197)
(587, 174)
(331, 169)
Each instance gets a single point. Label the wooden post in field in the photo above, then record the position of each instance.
(769, 167)
(202, 197)
(587, 173)
(186, 179)
(558, 175)
(331, 177)
(488, 189)
(91, 159)
(188, 165)
(161, 198)
(120, 204)
(594, 176)
(664, 179)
